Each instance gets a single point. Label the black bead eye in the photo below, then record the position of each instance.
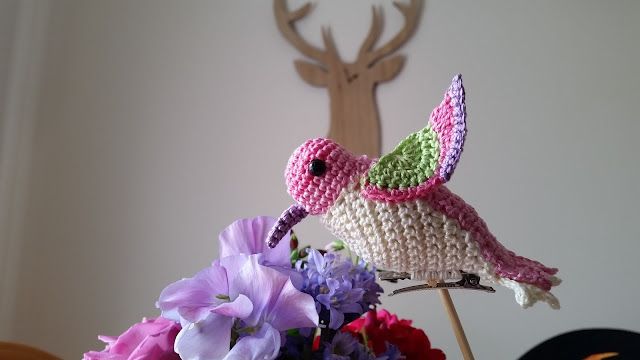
(317, 167)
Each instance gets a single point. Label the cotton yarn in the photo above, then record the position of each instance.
(429, 244)
(396, 213)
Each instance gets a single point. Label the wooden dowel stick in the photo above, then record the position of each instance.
(456, 324)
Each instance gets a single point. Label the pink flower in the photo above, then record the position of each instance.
(149, 339)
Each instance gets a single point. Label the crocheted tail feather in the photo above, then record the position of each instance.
(530, 279)
(527, 294)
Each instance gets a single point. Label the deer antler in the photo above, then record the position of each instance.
(286, 19)
(411, 16)
(374, 32)
(351, 85)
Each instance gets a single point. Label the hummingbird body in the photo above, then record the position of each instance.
(434, 238)
(409, 236)
(396, 213)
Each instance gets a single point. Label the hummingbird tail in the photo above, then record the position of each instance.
(528, 294)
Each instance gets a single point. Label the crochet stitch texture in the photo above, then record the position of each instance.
(397, 214)
(410, 164)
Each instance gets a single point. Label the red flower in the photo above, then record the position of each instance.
(383, 327)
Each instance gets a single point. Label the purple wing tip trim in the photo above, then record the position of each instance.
(289, 218)
(456, 93)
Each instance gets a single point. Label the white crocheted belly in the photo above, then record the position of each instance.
(406, 237)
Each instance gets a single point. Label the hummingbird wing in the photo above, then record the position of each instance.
(424, 159)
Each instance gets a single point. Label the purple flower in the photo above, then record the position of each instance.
(298, 346)
(340, 297)
(338, 285)
(193, 300)
(392, 353)
(236, 300)
(331, 265)
(366, 280)
(344, 346)
(247, 237)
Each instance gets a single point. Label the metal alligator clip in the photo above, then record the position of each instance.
(393, 277)
(468, 282)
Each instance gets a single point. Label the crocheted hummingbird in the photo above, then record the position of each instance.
(396, 213)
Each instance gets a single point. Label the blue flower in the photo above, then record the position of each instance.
(343, 347)
(340, 299)
(392, 353)
(338, 285)
(366, 280)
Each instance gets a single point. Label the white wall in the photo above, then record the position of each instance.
(8, 12)
(161, 122)
(23, 26)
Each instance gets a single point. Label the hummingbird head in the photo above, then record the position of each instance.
(317, 172)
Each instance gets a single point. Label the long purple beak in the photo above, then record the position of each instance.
(289, 218)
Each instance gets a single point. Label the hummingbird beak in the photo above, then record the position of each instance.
(289, 218)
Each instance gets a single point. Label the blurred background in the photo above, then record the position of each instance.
(134, 131)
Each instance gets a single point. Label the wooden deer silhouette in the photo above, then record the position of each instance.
(354, 113)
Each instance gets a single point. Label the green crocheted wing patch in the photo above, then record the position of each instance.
(410, 164)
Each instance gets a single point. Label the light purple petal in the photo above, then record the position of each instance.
(247, 236)
(274, 298)
(293, 309)
(233, 264)
(170, 314)
(243, 236)
(296, 277)
(240, 307)
(260, 284)
(194, 298)
(263, 345)
(209, 339)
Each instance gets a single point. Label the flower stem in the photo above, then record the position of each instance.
(365, 338)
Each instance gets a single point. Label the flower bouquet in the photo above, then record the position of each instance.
(255, 302)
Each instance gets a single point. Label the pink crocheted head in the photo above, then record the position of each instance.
(317, 172)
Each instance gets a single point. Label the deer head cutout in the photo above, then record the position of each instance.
(354, 114)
